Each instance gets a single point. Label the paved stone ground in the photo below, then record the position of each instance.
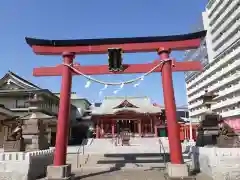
(127, 175)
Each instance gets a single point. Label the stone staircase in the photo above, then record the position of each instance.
(102, 153)
(122, 161)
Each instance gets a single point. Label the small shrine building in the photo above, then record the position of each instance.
(138, 115)
(135, 114)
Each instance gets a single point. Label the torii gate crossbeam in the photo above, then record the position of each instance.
(69, 48)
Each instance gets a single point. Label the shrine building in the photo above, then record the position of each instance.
(138, 115)
(21, 100)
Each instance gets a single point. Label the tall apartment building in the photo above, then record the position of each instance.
(220, 55)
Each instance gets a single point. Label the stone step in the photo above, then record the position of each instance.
(99, 161)
(112, 159)
(125, 166)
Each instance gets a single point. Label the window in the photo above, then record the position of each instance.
(20, 103)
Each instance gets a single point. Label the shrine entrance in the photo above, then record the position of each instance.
(137, 128)
(164, 64)
(127, 125)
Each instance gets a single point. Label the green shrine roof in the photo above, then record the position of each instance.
(115, 104)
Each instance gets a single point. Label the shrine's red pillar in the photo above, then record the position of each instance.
(113, 128)
(188, 132)
(64, 112)
(155, 130)
(97, 130)
(155, 127)
(170, 108)
(135, 127)
(140, 128)
(102, 129)
(151, 126)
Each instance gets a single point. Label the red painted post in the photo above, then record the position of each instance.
(102, 129)
(97, 130)
(113, 129)
(170, 108)
(155, 130)
(140, 128)
(64, 113)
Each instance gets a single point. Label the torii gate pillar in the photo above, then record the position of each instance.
(176, 168)
(170, 108)
(64, 111)
(60, 170)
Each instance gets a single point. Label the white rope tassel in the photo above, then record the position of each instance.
(105, 87)
(101, 90)
(121, 85)
(88, 83)
(116, 91)
(139, 82)
(117, 83)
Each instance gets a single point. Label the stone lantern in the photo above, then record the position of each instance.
(34, 128)
(208, 130)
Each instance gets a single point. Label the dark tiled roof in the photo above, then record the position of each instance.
(21, 79)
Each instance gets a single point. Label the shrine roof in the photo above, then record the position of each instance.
(12, 84)
(6, 113)
(13, 77)
(113, 105)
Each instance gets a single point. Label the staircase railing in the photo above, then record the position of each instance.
(164, 152)
(79, 152)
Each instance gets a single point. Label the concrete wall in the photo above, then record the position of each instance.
(219, 163)
(25, 166)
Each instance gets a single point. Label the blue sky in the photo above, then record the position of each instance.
(58, 19)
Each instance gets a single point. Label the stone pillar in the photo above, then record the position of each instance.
(34, 134)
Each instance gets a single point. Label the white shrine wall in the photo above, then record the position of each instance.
(25, 165)
(218, 163)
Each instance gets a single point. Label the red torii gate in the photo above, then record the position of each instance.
(69, 48)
